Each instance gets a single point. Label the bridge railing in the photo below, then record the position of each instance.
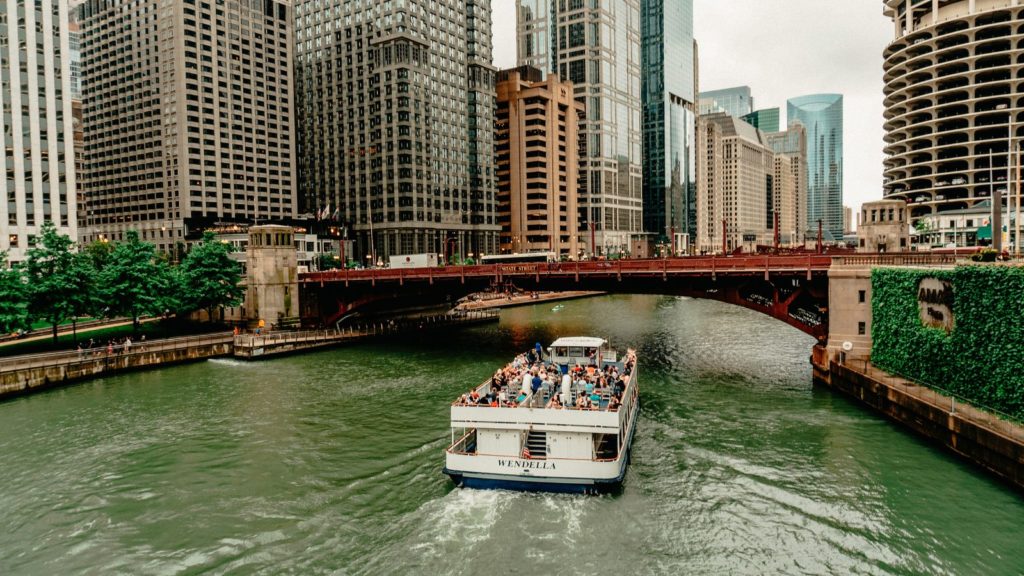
(911, 259)
(743, 263)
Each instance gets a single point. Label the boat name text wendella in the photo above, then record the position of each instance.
(536, 464)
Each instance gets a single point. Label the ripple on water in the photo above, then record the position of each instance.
(330, 463)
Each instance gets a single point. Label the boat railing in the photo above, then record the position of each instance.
(461, 445)
(629, 397)
(453, 450)
(543, 400)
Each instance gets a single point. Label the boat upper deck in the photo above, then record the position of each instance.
(594, 380)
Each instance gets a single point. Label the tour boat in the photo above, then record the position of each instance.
(559, 420)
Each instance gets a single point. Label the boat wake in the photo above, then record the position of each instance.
(229, 362)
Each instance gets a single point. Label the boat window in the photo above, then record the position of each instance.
(560, 351)
(576, 352)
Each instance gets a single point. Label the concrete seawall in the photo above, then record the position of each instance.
(989, 441)
(31, 373)
(25, 374)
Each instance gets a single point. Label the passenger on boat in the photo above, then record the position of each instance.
(583, 402)
(555, 402)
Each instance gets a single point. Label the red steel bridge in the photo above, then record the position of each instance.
(790, 288)
(793, 289)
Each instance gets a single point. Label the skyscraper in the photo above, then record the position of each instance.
(737, 170)
(75, 53)
(187, 115)
(595, 45)
(668, 89)
(766, 120)
(736, 102)
(396, 123)
(822, 116)
(36, 124)
(789, 197)
(537, 154)
(952, 101)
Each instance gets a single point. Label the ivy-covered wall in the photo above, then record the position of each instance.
(982, 359)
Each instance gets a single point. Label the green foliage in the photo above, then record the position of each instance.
(134, 281)
(59, 280)
(98, 254)
(208, 278)
(328, 262)
(986, 255)
(13, 299)
(981, 360)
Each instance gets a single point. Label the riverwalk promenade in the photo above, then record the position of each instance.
(30, 373)
(491, 301)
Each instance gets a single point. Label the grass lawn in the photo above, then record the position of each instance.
(47, 326)
(152, 330)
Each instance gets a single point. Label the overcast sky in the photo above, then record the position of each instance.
(783, 49)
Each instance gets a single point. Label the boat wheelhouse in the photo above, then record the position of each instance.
(555, 420)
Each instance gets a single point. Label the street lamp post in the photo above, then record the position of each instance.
(955, 239)
(1009, 179)
(996, 205)
(1017, 214)
(995, 196)
(593, 243)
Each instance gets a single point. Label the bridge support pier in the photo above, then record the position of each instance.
(849, 311)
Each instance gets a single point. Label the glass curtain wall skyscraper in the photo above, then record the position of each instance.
(736, 101)
(766, 120)
(668, 89)
(822, 117)
(595, 45)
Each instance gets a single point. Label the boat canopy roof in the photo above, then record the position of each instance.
(579, 341)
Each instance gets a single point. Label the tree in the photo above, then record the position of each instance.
(98, 254)
(13, 298)
(327, 262)
(209, 278)
(54, 278)
(85, 301)
(134, 281)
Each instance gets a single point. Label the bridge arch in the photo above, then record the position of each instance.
(792, 289)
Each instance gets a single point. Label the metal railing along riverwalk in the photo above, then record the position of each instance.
(358, 331)
(72, 357)
(953, 404)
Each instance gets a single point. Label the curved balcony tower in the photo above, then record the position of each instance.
(954, 90)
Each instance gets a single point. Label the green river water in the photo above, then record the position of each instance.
(330, 463)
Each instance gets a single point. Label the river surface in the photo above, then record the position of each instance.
(331, 463)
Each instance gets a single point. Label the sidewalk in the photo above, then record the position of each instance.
(951, 405)
(525, 300)
(67, 331)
